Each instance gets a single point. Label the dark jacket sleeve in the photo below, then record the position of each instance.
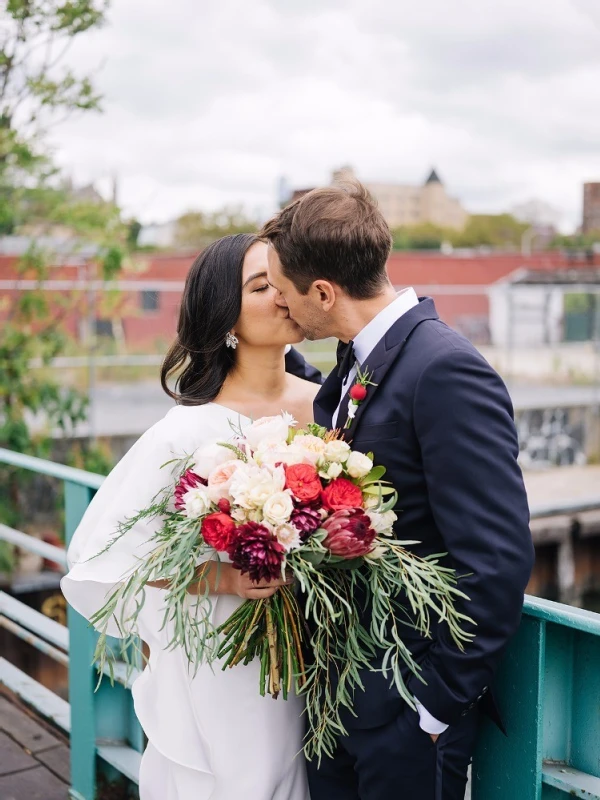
(464, 423)
(296, 364)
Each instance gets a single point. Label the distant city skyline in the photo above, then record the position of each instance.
(208, 107)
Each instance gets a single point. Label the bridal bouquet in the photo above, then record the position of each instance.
(277, 501)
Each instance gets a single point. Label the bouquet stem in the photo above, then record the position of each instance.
(274, 673)
(268, 630)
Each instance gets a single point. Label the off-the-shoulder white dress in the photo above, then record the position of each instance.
(211, 736)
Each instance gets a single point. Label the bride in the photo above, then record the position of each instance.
(211, 736)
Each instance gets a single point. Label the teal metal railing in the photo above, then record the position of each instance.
(548, 685)
(101, 725)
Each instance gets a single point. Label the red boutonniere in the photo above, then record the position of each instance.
(358, 393)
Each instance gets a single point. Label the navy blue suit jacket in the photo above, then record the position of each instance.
(441, 420)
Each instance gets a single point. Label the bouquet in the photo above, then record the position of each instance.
(279, 501)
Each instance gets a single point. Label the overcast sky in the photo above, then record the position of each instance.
(208, 103)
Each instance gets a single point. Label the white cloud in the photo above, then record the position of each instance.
(208, 104)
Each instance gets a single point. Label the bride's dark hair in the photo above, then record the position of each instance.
(210, 307)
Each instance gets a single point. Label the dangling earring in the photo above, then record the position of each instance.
(231, 341)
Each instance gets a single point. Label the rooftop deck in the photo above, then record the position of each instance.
(34, 757)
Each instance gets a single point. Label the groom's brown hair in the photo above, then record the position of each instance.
(337, 234)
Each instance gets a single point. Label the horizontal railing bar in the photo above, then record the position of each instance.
(571, 781)
(43, 467)
(33, 545)
(569, 616)
(66, 362)
(34, 621)
(125, 759)
(49, 705)
(574, 507)
(34, 640)
(122, 673)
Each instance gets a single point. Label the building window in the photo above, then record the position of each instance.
(104, 328)
(149, 300)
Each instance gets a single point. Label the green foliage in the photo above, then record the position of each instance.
(577, 241)
(196, 229)
(37, 91)
(426, 236)
(481, 230)
(493, 230)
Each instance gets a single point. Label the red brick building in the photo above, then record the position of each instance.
(143, 315)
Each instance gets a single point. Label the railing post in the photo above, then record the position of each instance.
(81, 672)
(511, 766)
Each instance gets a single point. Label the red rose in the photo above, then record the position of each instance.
(342, 493)
(218, 531)
(358, 392)
(304, 482)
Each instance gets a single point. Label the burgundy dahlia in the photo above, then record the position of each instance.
(349, 533)
(189, 480)
(257, 552)
(306, 520)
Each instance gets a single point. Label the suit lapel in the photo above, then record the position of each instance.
(382, 357)
(327, 398)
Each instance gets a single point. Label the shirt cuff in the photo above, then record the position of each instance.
(428, 723)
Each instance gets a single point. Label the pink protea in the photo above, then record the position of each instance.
(306, 520)
(349, 533)
(189, 480)
(256, 551)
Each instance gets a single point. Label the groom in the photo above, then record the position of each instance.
(441, 421)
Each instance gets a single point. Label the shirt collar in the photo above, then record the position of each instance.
(366, 340)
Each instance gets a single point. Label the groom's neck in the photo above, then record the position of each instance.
(356, 314)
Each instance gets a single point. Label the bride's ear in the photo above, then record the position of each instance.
(324, 293)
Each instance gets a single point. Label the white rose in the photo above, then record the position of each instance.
(209, 457)
(278, 508)
(239, 514)
(252, 486)
(310, 448)
(337, 450)
(382, 522)
(333, 470)
(269, 454)
(196, 503)
(272, 429)
(358, 465)
(288, 536)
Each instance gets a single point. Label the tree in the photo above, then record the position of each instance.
(425, 236)
(481, 230)
(492, 230)
(196, 229)
(37, 91)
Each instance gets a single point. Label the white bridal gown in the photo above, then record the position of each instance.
(210, 736)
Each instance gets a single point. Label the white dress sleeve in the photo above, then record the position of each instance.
(130, 487)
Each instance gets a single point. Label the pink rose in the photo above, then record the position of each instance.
(219, 480)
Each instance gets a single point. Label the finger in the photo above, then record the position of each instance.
(265, 584)
(260, 594)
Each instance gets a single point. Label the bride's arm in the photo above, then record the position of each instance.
(222, 578)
